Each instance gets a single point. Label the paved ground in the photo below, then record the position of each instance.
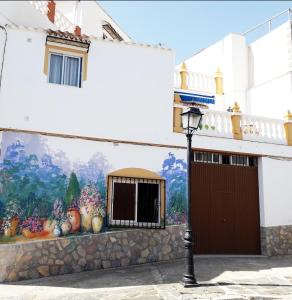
(221, 278)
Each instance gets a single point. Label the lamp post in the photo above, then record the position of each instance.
(191, 120)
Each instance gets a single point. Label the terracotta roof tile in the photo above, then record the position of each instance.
(69, 36)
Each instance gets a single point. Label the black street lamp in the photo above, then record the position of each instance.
(191, 120)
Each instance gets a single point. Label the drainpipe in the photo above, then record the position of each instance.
(3, 55)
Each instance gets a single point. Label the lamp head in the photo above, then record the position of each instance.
(191, 119)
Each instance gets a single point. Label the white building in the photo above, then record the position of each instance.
(78, 96)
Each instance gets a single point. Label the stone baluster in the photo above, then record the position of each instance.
(235, 121)
(184, 77)
(288, 128)
(219, 82)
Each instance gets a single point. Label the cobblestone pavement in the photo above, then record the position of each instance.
(220, 278)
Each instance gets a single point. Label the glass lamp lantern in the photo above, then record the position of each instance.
(191, 119)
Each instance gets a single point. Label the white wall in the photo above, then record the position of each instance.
(23, 13)
(230, 55)
(272, 98)
(275, 192)
(270, 55)
(128, 93)
(128, 96)
(270, 85)
(256, 76)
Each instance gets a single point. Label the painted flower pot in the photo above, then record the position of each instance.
(74, 219)
(30, 235)
(7, 232)
(57, 231)
(66, 227)
(86, 218)
(49, 225)
(14, 225)
(97, 223)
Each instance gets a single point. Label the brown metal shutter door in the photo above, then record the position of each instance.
(225, 209)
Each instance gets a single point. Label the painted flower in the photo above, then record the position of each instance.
(33, 224)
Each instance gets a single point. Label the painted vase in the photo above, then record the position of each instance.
(14, 225)
(30, 235)
(49, 225)
(97, 222)
(86, 218)
(57, 231)
(7, 232)
(66, 227)
(74, 219)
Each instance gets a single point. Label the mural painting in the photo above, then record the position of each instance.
(50, 188)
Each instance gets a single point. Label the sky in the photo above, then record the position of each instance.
(189, 26)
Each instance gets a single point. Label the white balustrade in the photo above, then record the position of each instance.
(196, 81)
(254, 128)
(261, 129)
(63, 23)
(41, 6)
(215, 123)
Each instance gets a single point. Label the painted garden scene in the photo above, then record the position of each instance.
(39, 200)
(44, 195)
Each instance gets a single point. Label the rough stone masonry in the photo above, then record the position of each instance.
(89, 252)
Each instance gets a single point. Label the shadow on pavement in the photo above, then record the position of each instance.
(210, 271)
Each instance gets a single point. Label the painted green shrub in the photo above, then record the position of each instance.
(73, 191)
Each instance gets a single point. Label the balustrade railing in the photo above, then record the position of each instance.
(262, 129)
(41, 6)
(196, 81)
(63, 23)
(216, 123)
(252, 128)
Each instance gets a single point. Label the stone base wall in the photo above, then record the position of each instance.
(89, 252)
(276, 240)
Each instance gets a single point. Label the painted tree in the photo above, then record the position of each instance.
(95, 171)
(73, 190)
(34, 183)
(174, 171)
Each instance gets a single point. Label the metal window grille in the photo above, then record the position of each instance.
(225, 159)
(159, 223)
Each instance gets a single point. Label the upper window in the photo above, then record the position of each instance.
(65, 69)
(136, 202)
(225, 159)
(109, 31)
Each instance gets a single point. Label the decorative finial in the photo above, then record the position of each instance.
(184, 67)
(288, 117)
(218, 73)
(236, 108)
(184, 77)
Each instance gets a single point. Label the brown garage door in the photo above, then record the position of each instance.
(225, 209)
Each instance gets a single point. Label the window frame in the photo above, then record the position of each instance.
(241, 160)
(210, 161)
(135, 222)
(65, 55)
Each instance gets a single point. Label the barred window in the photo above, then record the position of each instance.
(136, 202)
